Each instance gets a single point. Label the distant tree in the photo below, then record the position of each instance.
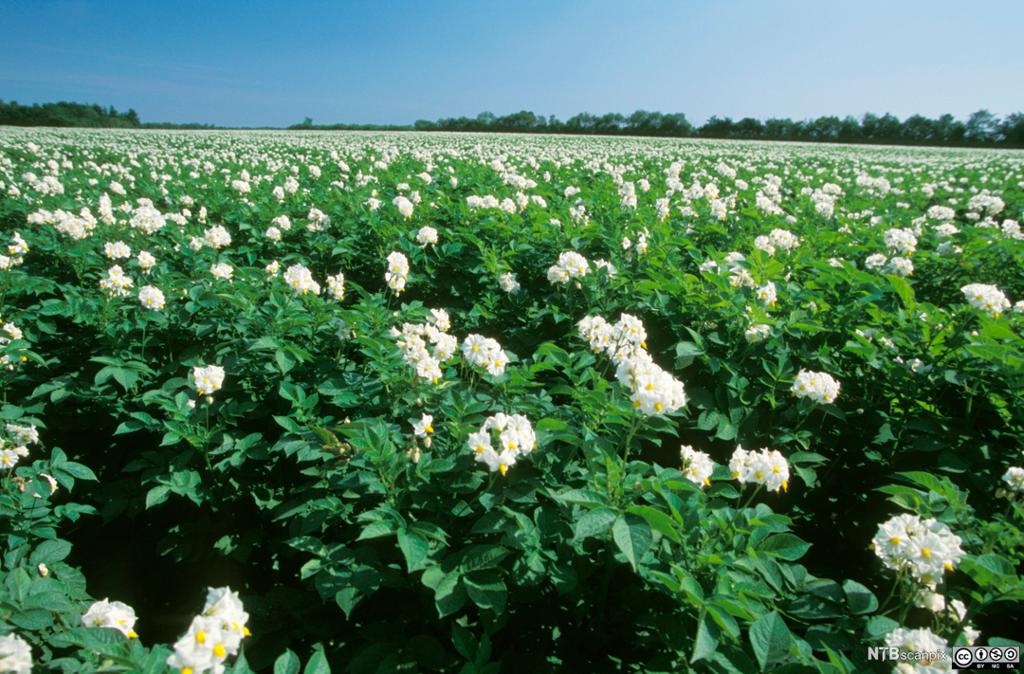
(982, 127)
(1011, 130)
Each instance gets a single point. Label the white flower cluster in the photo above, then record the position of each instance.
(217, 237)
(10, 332)
(767, 294)
(404, 206)
(10, 454)
(116, 250)
(486, 353)
(16, 251)
(207, 380)
(147, 219)
(151, 297)
(1014, 479)
(697, 466)
(222, 271)
(117, 284)
(398, 272)
(414, 338)
(653, 390)
(15, 655)
(213, 636)
(757, 332)
(336, 285)
(764, 467)
(779, 239)
(820, 387)
(917, 643)
(508, 282)
(146, 261)
(427, 236)
(300, 278)
(902, 241)
(927, 548)
(986, 298)
(112, 614)
(571, 265)
(501, 440)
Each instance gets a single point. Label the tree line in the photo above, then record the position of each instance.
(64, 113)
(981, 129)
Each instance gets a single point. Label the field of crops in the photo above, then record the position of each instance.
(313, 402)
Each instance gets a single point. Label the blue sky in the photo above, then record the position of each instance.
(263, 63)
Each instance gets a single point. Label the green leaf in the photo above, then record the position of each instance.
(50, 552)
(860, 599)
(658, 520)
(878, 626)
(287, 663)
(157, 495)
(633, 536)
(594, 522)
(785, 546)
(706, 641)
(416, 549)
(903, 289)
(317, 662)
(770, 639)
(486, 589)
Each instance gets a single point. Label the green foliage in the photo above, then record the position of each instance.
(361, 542)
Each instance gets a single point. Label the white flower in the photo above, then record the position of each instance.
(398, 271)
(273, 268)
(486, 353)
(404, 206)
(926, 547)
(757, 333)
(427, 236)
(217, 237)
(923, 652)
(116, 283)
(117, 250)
(902, 241)
(222, 270)
(301, 280)
(424, 426)
(273, 233)
(9, 457)
(986, 298)
(767, 468)
(115, 615)
(336, 285)
(571, 265)
(901, 266)
(1013, 477)
(207, 380)
(147, 219)
(502, 440)
(146, 261)
(15, 655)
(817, 386)
(875, 261)
(508, 282)
(25, 435)
(767, 294)
(151, 297)
(697, 466)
